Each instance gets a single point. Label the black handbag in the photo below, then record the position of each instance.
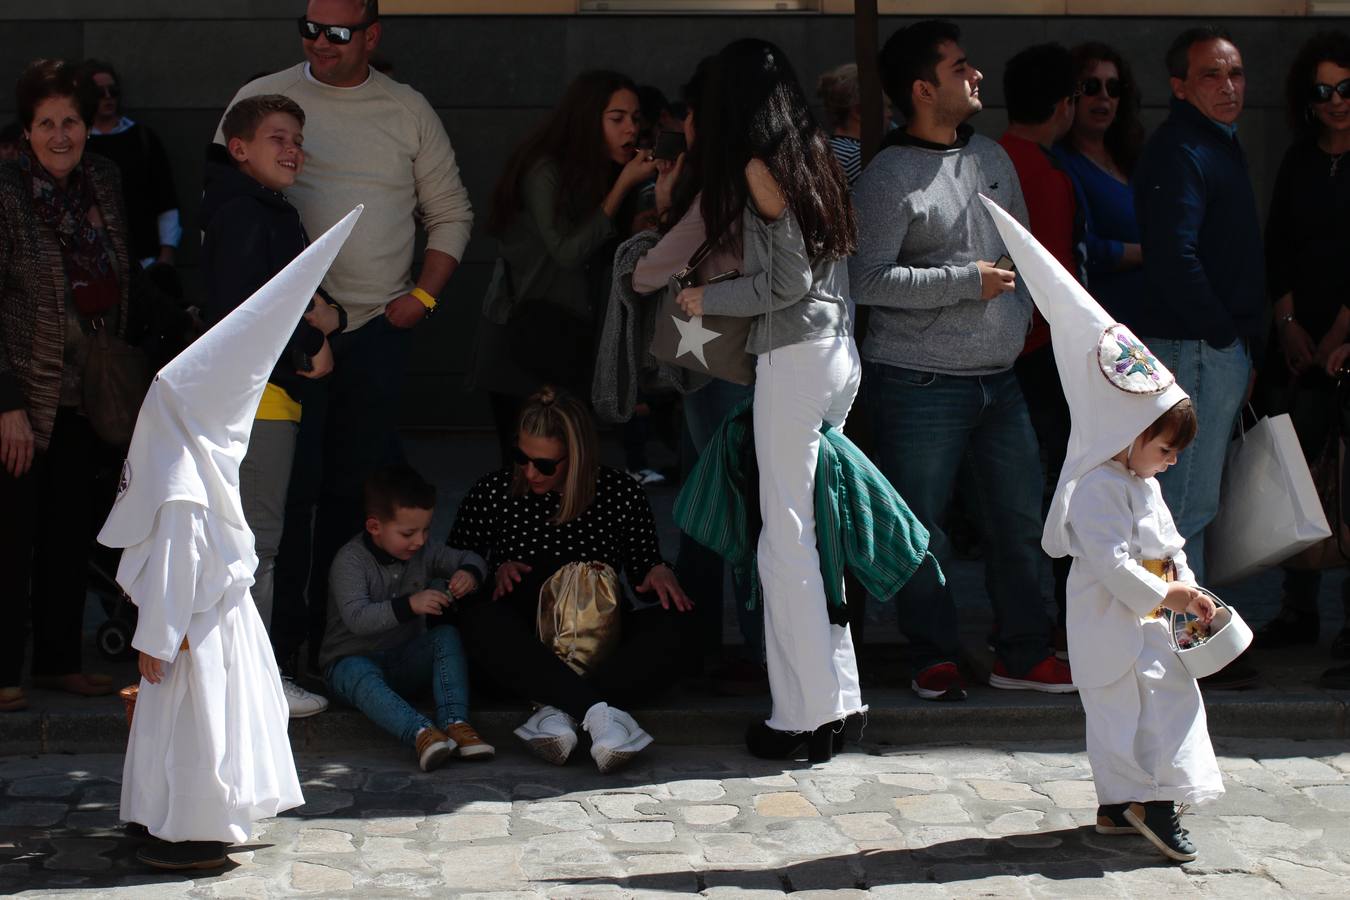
(116, 378)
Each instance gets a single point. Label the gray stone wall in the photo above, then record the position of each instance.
(492, 77)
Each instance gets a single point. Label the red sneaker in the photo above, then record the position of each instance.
(942, 681)
(1050, 676)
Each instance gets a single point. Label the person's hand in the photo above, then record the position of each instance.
(1329, 344)
(690, 300)
(1297, 344)
(324, 316)
(508, 576)
(462, 583)
(1180, 596)
(1336, 361)
(1202, 607)
(662, 580)
(764, 189)
(166, 255)
(667, 176)
(637, 170)
(994, 281)
(152, 669)
(428, 602)
(405, 311)
(322, 362)
(16, 442)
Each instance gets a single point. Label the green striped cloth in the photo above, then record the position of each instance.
(862, 524)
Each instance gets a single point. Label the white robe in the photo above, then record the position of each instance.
(1147, 737)
(209, 752)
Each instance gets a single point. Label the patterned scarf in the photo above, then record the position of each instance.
(89, 270)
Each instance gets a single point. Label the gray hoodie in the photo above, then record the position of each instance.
(921, 229)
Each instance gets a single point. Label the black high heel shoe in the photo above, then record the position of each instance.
(770, 743)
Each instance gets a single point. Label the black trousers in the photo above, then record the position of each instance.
(500, 638)
(1039, 378)
(48, 519)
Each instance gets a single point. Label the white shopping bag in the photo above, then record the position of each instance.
(1268, 506)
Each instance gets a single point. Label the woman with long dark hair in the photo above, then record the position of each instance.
(1099, 153)
(563, 202)
(773, 192)
(1306, 235)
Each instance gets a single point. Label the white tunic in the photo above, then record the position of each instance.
(1147, 737)
(208, 753)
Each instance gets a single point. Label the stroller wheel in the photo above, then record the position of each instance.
(114, 639)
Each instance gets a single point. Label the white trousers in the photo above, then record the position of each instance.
(813, 673)
(1147, 736)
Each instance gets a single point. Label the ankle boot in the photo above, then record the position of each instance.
(770, 743)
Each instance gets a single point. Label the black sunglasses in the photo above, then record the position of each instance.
(1321, 93)
(336, 34)
(1091, 87)
(109, 90)
(545, 467)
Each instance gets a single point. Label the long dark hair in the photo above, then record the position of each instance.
(687, 188)
(573, 137)
(1124, 139)
(753, 106)
(1325, 46)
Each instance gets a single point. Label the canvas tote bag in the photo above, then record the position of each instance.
(1269, 508)
(710, 345)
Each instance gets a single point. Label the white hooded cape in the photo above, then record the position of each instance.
(209, 752)
(1114, 386)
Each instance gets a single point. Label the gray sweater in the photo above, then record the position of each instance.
(921, 229)
(793, 300)
(369, 590)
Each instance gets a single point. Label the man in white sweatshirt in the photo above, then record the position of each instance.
(373, 141)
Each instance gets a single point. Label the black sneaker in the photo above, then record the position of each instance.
(1337, 679)
(1160, 822)
(1111, 819)
(176, 855)
(1287, 629)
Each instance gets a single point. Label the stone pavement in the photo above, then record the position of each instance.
(938, 821)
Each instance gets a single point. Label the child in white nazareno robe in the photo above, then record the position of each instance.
(1147, 738)
(209, 752)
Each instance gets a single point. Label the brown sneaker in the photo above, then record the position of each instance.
(468, 745)
(433, 748)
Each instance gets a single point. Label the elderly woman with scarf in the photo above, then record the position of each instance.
(64, 273)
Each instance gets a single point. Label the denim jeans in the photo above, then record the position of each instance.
(1217, 383)
(377, 683)
(924, 425)
(699, 568)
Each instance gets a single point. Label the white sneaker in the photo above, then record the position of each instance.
(615, 737)
(550, 733)
(302, 703)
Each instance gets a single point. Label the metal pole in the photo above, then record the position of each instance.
(865, 51)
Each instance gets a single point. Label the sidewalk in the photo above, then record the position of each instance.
(1286, 704)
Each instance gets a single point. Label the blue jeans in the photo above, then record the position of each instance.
(1217, 383)
(924, 425)
(701, 569)
(376, 683)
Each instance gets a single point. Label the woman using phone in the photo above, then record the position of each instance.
(773, 192)
(562, 204)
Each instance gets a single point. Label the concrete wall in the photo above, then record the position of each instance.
(492, 77)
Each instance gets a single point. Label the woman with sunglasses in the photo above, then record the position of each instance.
(556, 505)
(564, 201)
(1099, 153)
(1307, 234)
(773, 191)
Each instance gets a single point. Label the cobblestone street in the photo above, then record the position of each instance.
(918, 822)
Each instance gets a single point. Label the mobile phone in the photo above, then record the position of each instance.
(669, 145)
(1005, 263)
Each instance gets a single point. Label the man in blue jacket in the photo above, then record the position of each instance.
(1203, 262)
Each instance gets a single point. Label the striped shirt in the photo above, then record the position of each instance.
(849, 153)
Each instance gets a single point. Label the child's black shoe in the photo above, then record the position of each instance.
(1111, 819)
(1160, 822)
(176, 855)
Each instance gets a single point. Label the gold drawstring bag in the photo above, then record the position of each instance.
(578, 614)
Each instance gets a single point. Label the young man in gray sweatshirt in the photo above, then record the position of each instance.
(948, 321)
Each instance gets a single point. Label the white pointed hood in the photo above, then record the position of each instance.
(1115, 387)
(193, 428)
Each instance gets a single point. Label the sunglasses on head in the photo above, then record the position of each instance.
(1091, 87)
(545, 467)
(1321, 93)
(336, 34)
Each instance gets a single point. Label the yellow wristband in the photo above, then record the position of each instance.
(426, 299)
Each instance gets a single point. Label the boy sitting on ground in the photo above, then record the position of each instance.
(388, 631)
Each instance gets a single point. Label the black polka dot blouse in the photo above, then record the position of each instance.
(618, 528)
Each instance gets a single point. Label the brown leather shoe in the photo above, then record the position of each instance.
(12, 699)
(84, 684)
(433, 748)
(468, 745)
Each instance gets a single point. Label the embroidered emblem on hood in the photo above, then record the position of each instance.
(124, 481)
(1129, 365)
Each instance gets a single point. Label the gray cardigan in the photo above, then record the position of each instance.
(369, 593)
(793, 299)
